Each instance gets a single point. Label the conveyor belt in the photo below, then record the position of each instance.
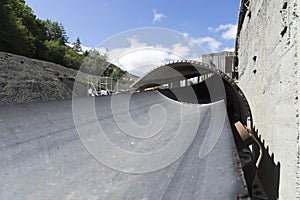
(176, 152)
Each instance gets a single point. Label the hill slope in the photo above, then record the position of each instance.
(26, 80)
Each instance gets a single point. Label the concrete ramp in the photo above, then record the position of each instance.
(130, 146)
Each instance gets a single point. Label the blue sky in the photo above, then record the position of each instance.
(209, 23)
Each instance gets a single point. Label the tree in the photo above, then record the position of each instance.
(15, 36)
(21, 32)
(55, 32)
(77, 45)
(95, 63)
(72, 59)
(56, 51)
(117, 72)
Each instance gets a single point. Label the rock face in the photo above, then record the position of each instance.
(269, 75)
(26, 80)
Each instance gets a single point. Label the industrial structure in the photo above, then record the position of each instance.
(99, 86)
(262, 179)
(224, 61)
(203, 149)
(213, 139)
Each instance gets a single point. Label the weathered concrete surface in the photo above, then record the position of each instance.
(269, 47)
(42, 156)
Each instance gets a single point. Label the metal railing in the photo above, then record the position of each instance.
(99, 86)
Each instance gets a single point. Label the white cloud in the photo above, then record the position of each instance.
(196, 58)
(211, 43)
(228, 31)
(140, 57)
(230, 34)
(229, 49)
(221, 27)
(84, 48)
(157, 16)
(185, 35)
(142, 60)
(211, 29)
(181, 50)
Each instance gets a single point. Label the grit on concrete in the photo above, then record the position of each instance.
(42, 156)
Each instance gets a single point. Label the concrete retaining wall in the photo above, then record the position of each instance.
(269, 48)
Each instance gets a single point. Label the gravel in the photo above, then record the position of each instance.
(26, 80)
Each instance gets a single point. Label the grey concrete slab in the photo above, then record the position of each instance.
(44, 157)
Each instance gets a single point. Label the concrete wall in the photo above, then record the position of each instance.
(269, 58)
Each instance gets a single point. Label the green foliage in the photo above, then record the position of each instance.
(96, 64)
(55, 32)
(56, 51)
(73, 59)
(21, 32)
(63, 54)
(77, 45)
(190, 82)
(15, 35)
(117, 73)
